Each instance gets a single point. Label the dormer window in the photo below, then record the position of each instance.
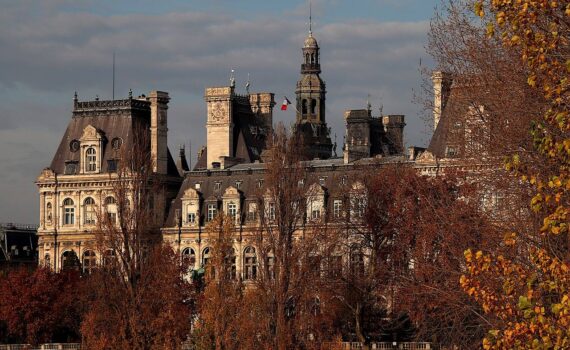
(212, 211)
(232, 210)
(91, 150)
(90, 160)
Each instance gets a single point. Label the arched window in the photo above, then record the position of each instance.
(89, 209)
(312, 58)
(47, 260)
(304, 107)
(206, 256)
(90, 159)
(69, 261)
(189, 257)
(230, 264)
(111, 209)
(250, 263)
(313, 106)
(307, 60)
(89, 261)
(68, 212)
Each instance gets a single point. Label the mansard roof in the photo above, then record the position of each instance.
(327, 173)
(113, 120)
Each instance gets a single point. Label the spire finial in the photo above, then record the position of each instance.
(247, 84)
(232, 79)
(130, 94)
(310, 18)
(368, 105)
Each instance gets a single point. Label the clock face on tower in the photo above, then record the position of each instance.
(219, 112)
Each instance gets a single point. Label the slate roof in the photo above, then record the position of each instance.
(249, 175)
(114, 119)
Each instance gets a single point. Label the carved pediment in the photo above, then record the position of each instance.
(316, 190)
(426, 157)
(191, 193)
(232, 192)
(90, 133)
(358, 186)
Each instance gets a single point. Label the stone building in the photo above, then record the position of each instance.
(227, 175)
(79, 182)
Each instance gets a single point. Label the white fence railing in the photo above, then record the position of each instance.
(59, 346)
(379, 346)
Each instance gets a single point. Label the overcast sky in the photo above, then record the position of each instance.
(51, 48)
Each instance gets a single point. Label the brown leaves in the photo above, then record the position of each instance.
(39, 306)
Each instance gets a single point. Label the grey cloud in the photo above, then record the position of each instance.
(56, 53)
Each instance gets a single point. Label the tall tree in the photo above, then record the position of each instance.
(531, 303)
(139, 298)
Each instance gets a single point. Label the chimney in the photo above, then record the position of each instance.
(159, 130)
(441, 86)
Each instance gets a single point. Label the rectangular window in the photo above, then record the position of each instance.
(259, 183)
(89, 217)
(335, 266)
(238, 184)
(451, 151)
(212, 211)
(112, 217)
(271, 211)
(191, 218)
(358, 206)
(217, 186)
(337, 208)
(252, 212)
(315, 214)
(232, 210)
(70, 168)
(69, 216)
(112, 165)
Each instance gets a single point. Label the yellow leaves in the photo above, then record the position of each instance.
(468, 255)
(531, 80)
(478, 9)
(515, 40)
(510, 238)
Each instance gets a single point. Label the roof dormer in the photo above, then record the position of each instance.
(91, 145)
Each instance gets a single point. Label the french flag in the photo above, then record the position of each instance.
(286, 102)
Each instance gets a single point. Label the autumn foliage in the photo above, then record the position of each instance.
(525, 286)
(39, 306)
